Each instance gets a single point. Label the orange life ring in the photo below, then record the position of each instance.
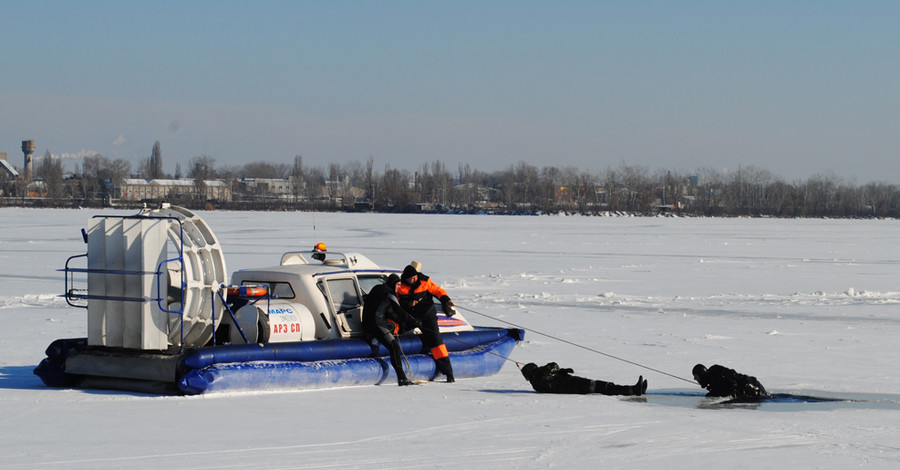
(247, 291)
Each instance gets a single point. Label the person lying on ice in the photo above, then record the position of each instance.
(724, 382)
(550, 378)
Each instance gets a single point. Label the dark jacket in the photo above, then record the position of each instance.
(550, 378)
(382, 313)
(724, 382)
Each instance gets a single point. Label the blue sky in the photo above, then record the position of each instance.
(796, 88)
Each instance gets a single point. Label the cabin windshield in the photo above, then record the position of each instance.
(366, 283)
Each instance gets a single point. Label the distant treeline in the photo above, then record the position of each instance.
(432, 187)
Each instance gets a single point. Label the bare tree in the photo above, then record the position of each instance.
(315, 182)
(202, 168)
(370, 179)
(443, 182)
(393, 192)
(528, 187)
(820, 193)
(156, 166)
(143, 169)
(586, 196)
(103, 176)
(297, 176)
(230, 172)
(634, 188)
(49, 169)
(265, 170)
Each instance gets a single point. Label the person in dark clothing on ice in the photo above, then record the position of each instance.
(724, 382)
(383, 318)
(416, 292)
(550, 378)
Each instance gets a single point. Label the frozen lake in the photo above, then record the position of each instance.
(810, 307)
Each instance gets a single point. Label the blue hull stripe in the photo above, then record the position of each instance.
(335, 348)
(334, 372)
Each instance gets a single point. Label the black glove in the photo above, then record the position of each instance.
(447, 306)
(412, 324)
(751, 391)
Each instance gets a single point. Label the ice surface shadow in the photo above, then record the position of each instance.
(20, 378)
(805, 400)
(506, 390)
(22, 277)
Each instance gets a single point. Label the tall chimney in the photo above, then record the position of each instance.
(28, 150)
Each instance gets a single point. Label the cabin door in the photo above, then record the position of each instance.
(346, 305)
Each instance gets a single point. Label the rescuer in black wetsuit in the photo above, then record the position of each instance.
(550, 378)
(383, 318)
(724, 382)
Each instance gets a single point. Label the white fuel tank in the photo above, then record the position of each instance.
(284, 322)
(290, 322)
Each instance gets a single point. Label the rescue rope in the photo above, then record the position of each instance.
(403, 358)
(519, 365)
(474, 346)
(574, 344)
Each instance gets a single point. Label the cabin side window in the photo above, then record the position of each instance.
(279, 290)
(346, 304)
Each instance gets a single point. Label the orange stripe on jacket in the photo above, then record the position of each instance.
(420, 290)
(439, 352)
(395, 326)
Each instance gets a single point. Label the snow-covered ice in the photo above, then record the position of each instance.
(808, 306)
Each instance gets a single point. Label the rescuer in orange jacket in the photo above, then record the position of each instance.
(416, 292)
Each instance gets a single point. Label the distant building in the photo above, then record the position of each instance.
(279, 188)
(134, 189)
(7, 171)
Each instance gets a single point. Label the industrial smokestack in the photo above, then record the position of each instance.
(28, 150)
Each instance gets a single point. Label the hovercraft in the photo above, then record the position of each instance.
(162, 319)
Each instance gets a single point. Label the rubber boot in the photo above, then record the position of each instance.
(638, 388)
(397, 363)
(443, 366)
(641, 386)
(609, 388)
